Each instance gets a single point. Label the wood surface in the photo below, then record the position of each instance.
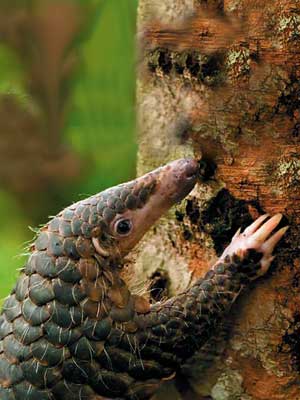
(221, 80)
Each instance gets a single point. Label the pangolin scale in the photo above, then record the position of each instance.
(71, 329)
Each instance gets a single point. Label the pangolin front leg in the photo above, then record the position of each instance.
(174, 330)
(71, 330)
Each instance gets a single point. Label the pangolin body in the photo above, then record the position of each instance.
(71, 329)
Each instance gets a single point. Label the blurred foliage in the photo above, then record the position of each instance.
(67, 116)
(106, 116)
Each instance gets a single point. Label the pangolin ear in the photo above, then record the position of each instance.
(99, 248)
(98, 239)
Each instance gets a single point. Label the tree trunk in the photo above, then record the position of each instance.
(221, 80)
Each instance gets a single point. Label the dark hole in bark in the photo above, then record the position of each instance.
(254, 56)
(178, 68)
(292, 339)
(159, 286)
(187, 234)
(222, 217)
(207, 169)
(211, 67)
(296, 280)
(296, 131)
(192, 211)
(192, 64)
(289, 101)
(179, 216)
(164, 61)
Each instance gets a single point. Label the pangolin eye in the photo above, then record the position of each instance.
(123, 226)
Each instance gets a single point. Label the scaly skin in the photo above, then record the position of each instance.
(72, 330)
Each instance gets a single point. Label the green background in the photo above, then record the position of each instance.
(98, 127)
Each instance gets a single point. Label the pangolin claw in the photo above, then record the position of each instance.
(258, 236)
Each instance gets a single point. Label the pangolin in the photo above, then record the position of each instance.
(71, 329)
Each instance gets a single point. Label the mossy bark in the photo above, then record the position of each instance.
(221, 80)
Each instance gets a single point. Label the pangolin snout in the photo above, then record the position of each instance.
(181, 178)
(190, 168)
(186, 170)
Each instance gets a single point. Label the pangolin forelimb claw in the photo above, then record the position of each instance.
(266, 229)
(255, 225)
(258, 236)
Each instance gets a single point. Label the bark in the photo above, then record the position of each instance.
(221, 80)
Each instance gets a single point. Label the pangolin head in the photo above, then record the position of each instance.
(113, 221)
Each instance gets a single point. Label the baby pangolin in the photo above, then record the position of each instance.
(71, 329)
